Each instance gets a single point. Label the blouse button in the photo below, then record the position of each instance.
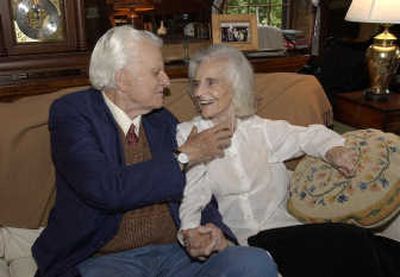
(248, 216)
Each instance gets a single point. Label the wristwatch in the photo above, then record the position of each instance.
(182, 158)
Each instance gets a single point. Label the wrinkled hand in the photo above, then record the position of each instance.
(343, 159)
(202, 241)
(208, 144)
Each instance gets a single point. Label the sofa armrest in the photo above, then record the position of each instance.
(26, 169)
(4, 272)
(2, 245)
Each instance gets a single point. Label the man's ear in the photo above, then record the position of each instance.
(119, 79)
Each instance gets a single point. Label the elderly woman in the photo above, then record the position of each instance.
(250, 181)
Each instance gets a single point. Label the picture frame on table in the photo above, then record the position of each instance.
(237, 30)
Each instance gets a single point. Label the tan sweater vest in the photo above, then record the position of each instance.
(147, 225)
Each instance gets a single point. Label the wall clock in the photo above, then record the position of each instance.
(40, 26)
(38, 20)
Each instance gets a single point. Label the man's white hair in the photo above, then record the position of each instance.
(113, 51)
(239, 73)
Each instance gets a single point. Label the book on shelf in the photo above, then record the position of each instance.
(261, 53)
(295, 39)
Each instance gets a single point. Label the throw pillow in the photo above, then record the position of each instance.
(319, 193)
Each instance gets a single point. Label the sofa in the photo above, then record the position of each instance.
(27, 176)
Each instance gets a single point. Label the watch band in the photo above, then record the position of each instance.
(182, 159)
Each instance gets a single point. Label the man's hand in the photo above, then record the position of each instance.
(208, 144)
(202, 241)
(343, 159)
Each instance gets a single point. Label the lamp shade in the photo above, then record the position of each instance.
(134, 5)
(374, 11)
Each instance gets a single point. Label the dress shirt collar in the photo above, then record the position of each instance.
(203, 124)
(122, 119)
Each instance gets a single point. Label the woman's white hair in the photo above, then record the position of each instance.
(239, 73)
(113, 51)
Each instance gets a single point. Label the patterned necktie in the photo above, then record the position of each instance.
(131, 137)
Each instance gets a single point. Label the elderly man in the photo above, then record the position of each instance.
(119, 177)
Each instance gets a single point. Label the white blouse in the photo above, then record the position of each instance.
(251, 181)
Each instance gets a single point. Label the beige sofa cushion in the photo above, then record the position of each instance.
(179, 101)
(4, 269)
(371, 198)
(26, 172)
(18, 242)
(1, 244)
(23, 267)
(297, 98)
(18, 260)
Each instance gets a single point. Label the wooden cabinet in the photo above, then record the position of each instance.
(354, 109)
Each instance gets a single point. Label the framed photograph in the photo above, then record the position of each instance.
(237, 30)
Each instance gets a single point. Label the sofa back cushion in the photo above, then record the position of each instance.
(297, 98)
(178, 100)
(26, 171)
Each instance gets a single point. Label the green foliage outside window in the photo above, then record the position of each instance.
(269, 11)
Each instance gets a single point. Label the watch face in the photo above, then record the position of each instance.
(38, 20)
(183, 158)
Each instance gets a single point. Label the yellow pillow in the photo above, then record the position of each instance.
(319, 193)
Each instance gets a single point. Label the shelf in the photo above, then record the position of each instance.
(287, 63)
(31, 77)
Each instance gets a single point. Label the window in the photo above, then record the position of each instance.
(269, 12)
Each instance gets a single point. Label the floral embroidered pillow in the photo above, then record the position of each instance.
(319, 193)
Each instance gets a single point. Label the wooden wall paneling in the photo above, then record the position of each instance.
(97, 20)
(182, 6)
(301, 17)
(291, 63)
(19, 77)
(80, 28)
(3, 51)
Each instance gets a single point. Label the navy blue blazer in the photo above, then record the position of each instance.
(94, 187)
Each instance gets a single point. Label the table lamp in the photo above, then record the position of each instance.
(383, 55)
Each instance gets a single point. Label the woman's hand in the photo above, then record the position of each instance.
(343, 159)
(203, 241)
